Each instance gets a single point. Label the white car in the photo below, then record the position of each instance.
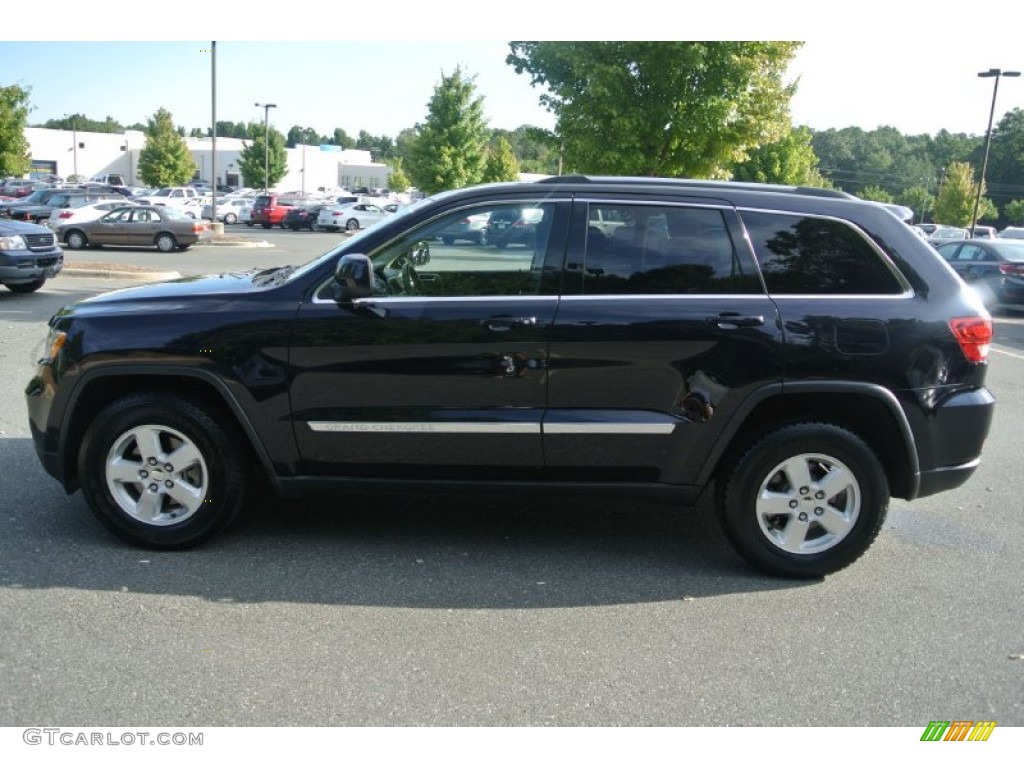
(61, 216)
(350, 216)
(228, 209)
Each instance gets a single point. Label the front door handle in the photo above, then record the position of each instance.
(503, 323)
(731, 320)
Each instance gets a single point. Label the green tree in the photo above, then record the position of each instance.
(646, 108)
(501, 164)
(308, 136)
(255, 163)
(917, 199)
(1014, 212)
(790, 160)
(342, 139)
(165, 160)
(1005, 173)
(397, 180)
(450, 149)
(955, 202)
(877, 194)
(14, 155)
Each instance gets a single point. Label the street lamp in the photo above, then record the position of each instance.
(74, 140)
(996, 73)
(266, 143)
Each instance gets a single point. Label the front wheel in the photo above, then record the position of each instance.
(351, 225)
(32, 287)
(76, 240)
(161, 471)
(804, 500)
(230, 218)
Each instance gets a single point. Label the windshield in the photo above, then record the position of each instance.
(164, 192)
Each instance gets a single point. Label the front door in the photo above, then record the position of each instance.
(444, 368)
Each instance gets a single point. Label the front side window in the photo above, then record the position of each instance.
(460, 255)
(813, 255)
(642, 250)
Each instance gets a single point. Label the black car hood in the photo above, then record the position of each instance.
(181, 293)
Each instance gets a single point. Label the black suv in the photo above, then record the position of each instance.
(798, 353)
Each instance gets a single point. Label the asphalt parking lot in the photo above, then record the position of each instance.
(477, 610)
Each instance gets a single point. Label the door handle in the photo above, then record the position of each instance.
(502, 323)
(731, 320)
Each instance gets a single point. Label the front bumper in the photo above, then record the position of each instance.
(28, 266)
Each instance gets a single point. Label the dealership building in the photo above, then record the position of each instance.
(309, 168)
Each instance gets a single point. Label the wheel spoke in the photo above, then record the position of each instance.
(149, 506)
(835, 482)
(147, 440)
(773, 503)
(183, 457)
(124, 471)
(798, 471)
(188, 496)
(794, 534)
(835, 522)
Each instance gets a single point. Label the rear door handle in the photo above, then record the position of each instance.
(502, 323)
(730, 320)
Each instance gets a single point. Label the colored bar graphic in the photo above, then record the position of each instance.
(982, 730)
(935, 730)
(958, 730)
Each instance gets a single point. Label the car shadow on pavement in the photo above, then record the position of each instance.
(445, 552)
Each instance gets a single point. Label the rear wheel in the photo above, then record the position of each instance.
(160, 471)
(351, 225)
(230, 218)
(165, 242)
(447, 239)
(805, 500)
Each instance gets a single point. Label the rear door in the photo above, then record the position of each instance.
(663, 332)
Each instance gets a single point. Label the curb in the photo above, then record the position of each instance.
(229, 243)
(118, 274)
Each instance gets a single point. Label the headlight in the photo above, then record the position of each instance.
(54, 341)
(12, 243)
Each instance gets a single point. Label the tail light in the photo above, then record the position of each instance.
(974, 334)
(1014, 270)
(65, 214)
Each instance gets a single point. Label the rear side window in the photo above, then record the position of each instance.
(811, 255)
(644, 250)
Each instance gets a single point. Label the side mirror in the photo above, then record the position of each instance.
(353, 278)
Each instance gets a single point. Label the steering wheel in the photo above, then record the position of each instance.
(410, 280)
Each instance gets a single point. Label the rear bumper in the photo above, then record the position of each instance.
(950, 441)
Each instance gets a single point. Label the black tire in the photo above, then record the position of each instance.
(165, 242)
(804, 530)
(351, 225)
(447, 239)
(32, 287)
(230, 218)
(76, 239)
(248, 223)
(265, 226)
(163, 508)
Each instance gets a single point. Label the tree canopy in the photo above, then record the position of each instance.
(14, 155)
(256, 164)
(450, 148)
(165, 161)
(653, 108)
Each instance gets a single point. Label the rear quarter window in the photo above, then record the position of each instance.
(813, 255)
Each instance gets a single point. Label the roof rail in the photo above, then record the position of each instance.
(696, 183)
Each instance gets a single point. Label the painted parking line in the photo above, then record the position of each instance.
(1007, 353)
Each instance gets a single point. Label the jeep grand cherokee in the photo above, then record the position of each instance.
(798, 353)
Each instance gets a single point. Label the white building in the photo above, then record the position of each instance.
(309, 168)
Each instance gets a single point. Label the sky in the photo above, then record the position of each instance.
(376, 68)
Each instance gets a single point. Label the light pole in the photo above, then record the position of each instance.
(996, 73)
(266, 143)
(74, 140)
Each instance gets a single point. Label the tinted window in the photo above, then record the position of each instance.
(662, 250)
(804, 254)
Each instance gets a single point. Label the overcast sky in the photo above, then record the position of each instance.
(879, 65)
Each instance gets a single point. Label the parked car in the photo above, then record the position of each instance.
(513, 225)
(980, 232)
(19, 187)
(227, 209)
(38, 197)
(164, 227)
(350, 216)
(799, 355)
(992, 266)
(29, 256)
(65, 198)
(1012, 233)
(470, 228)
(302, 217)
(83, 212)
(269, 210)
(946, 234)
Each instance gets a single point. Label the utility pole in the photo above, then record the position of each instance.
(266, 144)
